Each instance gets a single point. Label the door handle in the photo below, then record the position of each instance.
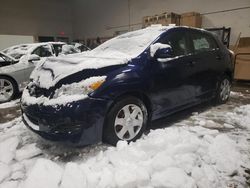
(192, 63)
(218, 57)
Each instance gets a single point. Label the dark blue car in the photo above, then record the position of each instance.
(112, 92)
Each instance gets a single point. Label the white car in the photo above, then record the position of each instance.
(17, 63)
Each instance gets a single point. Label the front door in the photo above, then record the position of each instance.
(207, 57)
(172, 78)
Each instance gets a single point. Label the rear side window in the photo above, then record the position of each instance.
(178, 41)
(203, 42)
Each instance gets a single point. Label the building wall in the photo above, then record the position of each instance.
(81, 19)
(94, 18)
(91, 18)
(36, 17)
(11, 40)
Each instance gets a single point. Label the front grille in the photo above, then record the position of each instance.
(60, 126)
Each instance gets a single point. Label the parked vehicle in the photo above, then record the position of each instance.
(112, 92)
(6, 85)
(20, 60)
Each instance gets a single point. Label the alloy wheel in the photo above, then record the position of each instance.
(6, 90)
(128, 122)
(225, 89)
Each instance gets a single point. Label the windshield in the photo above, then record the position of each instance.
(18, 51)
(130, 44)
(4, 58)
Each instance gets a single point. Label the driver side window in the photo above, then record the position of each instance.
(177, 40)
(43, 51)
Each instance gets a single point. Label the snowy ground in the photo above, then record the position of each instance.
(209, 148)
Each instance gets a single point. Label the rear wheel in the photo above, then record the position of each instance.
(8, 89)
(126, 120)
(223, 90)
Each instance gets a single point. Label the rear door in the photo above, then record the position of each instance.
(207, 59)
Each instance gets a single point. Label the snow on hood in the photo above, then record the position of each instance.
(13, 59)
(53, 70)
(118, 50)
(19, 50)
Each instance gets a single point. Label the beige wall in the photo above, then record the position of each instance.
(36, 17)
(11, 40)
(95, 16)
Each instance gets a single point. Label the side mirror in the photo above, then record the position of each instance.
(159, 50)
(33, 57)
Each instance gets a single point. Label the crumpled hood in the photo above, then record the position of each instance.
(50, 71)
(116, 51)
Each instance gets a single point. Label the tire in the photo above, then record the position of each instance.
(8, 89)
(126, 120)
(223, 90)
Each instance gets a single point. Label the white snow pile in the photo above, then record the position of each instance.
(18, 51)
(240, 116)
(118, 50)
(10, 104)
(172, 157)
(184, 156)
(236, 94)
(65, 94)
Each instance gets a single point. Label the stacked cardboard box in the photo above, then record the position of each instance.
(163, 19)
(145, 21)
(191, 19)
(169, 18)
(242, 61)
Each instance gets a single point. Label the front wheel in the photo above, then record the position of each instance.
(8, 89)
(223, 90)
(126, 120)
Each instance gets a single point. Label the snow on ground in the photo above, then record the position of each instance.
(10, 104)
(209, 149)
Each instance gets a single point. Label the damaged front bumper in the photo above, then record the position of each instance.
(79, 122)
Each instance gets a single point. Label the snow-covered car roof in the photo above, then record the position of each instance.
(118, 50)
(18, 51)
(133, 43)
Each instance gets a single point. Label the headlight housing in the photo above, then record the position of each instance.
(81, 88)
